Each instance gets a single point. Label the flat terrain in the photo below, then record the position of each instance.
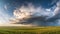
(29, 30)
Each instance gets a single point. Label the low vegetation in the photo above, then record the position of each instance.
(29, 30)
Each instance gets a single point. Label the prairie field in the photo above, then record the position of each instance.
(29, 30)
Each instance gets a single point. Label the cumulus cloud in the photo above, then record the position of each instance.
(36, 15)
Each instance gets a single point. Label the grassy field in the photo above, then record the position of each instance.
(30, 30)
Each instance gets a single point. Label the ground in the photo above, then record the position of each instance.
(29, 30)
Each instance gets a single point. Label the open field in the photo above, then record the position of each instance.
(29, 30)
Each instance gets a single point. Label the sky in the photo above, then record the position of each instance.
(29, 12)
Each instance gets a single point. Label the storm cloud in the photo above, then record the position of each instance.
(37, 15)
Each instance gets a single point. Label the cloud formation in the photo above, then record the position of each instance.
(36, 15)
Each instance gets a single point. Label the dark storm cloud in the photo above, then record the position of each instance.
(41, 21)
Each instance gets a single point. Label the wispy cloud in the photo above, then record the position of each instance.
(57, 10)
(3, 18)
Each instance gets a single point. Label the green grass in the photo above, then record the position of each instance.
(30, 30)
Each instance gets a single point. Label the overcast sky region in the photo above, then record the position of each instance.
(29, 12)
